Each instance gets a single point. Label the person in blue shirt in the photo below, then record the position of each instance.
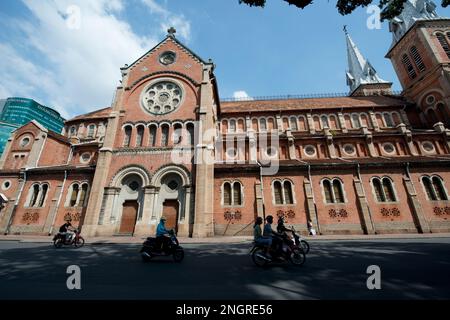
(162, 235)
(268, 232)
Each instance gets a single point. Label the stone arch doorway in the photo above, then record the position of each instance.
(173, 198)
(130, 203)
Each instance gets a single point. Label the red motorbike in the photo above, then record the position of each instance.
(74, 239)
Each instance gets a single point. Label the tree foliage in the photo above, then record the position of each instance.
(389, 8)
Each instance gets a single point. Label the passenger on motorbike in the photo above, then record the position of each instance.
(266, 242)
(162, 235)
(65, 230)
(277, 241)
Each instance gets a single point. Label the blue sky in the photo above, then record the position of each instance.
(67, 53)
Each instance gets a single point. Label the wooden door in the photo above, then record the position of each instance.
(170, 211)
(129, 216)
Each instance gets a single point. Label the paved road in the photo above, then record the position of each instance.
(410, 269)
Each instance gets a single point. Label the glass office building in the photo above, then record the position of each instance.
(19, 111)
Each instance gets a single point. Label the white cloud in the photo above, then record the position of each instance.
(241, 95)
(170, 19)
(79, 55)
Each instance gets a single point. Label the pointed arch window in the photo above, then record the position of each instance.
(177, 134)
(333, 191)
(324, 121)
(356, 121)
(408, 67)
(232, 125)
(91, 131)
(434, 188)
(83, 195)
(388, 121)
(288, 198)
(444, 42)
(127, 138)
(262, 124)
(74, 195)
(417, 59)
(232, 194)
(378, 190)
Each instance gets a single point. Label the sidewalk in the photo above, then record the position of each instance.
(222, 239)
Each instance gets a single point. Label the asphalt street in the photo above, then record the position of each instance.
(410, 269)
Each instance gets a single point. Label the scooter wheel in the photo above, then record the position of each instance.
(259, 258)
(79, 242)
(58, 243)
(178, 255)
(305, 246)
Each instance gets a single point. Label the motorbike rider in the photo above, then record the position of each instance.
(65, 229)
(259, 238)
(162, 235)
(277, 242)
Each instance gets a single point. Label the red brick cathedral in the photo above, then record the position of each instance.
(369, 162)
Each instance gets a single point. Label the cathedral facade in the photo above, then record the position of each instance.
(368, 162)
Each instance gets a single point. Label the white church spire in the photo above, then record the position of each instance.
(360, 71)
(413, 10)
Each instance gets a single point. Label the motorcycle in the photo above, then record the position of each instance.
(291, 251)
(75, 239)
(151, 249)
(299, 240)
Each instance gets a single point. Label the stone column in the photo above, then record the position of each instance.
(143, 225)
(365, 215)
(110, 194)
(369, 141)
(291, 144)
(185, 223)
(252, 150)
(279, 123)
(408, 139)
(330, 144)
(310, 205)
(7, 215)
(439, 127)
(418, 214)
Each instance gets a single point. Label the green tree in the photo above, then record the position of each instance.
(389, 8)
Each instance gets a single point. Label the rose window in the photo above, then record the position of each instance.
(162, 97)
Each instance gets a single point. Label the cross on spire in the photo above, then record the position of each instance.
(171, 32)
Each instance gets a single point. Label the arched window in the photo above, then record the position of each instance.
(152, 137)
(127, 137)
(262, 124)
(409, 67)
(43, 195)
(232, 194)
(389, 122)
(327, 191)
(232, 125)
(356, 121)
(388, 190)
(191, 132)
(227, 194)
(333, 191)
(139, 136)
(91, 131)
(74, 195)
(164, 135)
(439, 189)
(83, 195)
(288, 198)
(324, 121)
(237, 195)
(444, 43)
(337, 190)
(177, 133)
(277, 192)
(428, 188)
(376, 183)
(293, 122)
(73, 131)
(417, 59)
(34, 195)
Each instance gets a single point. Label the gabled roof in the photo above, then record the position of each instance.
(311, 104)
(97, 114)
(169, 37)
(49, 133)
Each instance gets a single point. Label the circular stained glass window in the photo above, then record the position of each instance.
(349, 149)
(428, 146)
(162, 97)
(85, 157)
(388, 148)
(24, 142)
